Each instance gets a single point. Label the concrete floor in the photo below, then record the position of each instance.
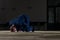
(37, 35)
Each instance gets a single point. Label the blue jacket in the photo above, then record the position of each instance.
(20, 21)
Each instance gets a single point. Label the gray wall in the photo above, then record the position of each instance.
(37, 13)
(39, 10)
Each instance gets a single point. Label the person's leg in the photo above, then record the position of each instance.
(26, 29)
(33, 29)
(21, 28)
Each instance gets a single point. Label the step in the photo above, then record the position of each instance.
(37, 35)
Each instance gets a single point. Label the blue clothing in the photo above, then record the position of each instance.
(23, 21)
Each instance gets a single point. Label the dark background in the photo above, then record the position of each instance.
(36, 9)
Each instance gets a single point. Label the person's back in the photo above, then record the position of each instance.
(24, 22)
